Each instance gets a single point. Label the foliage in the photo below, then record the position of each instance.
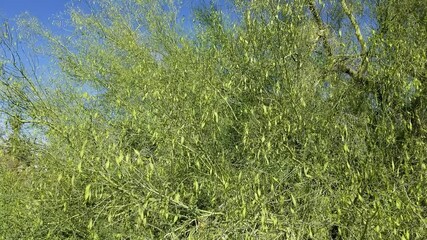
(270, 119)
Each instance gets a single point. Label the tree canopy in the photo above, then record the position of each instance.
(261, 119)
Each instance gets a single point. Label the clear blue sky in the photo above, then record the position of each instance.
(42, 9)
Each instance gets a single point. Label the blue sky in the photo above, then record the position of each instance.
(44, 10)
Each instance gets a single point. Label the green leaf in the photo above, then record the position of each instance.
(79, 167)
(119, 158)
(87, 192)
(294, 201)
(346, 149)
(90, 224)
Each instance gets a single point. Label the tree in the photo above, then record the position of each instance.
(271, 119)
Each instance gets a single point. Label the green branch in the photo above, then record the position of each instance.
(359, 37)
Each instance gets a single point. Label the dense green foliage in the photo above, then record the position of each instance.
(272, 119)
